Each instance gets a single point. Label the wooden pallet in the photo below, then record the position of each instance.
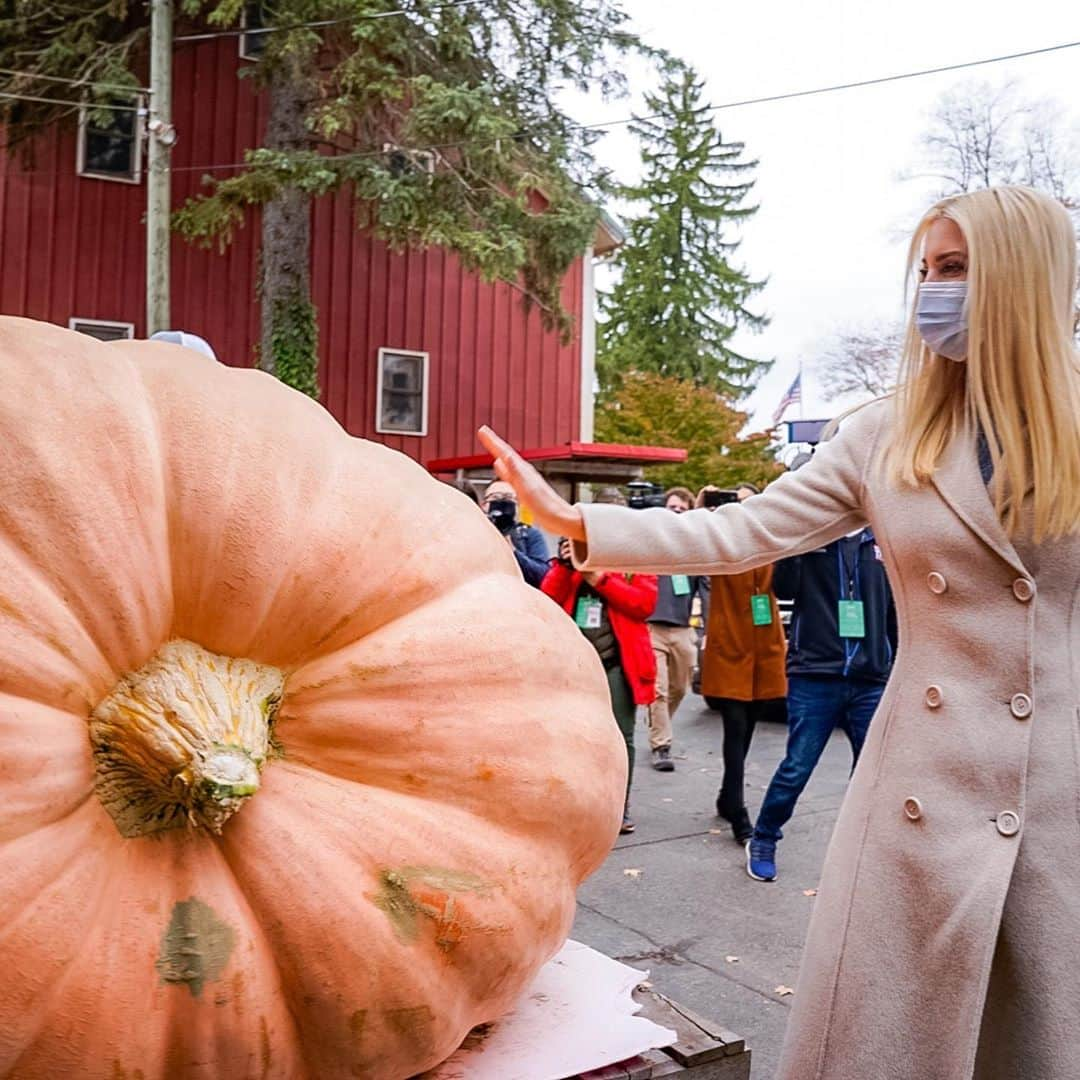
(704, 1051)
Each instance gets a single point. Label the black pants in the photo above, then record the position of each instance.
(740, 718)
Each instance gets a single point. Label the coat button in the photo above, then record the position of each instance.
(1023, 589)
(934, 697)
(937, 583)
(1020, 706)
(1008, 823)
(913, 808)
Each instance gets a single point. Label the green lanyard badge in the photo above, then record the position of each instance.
(761, 609)
(588, 613)
(680, 584)
(851, 619)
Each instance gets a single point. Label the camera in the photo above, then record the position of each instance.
(719, 498)
(643, 495)
(502, 513)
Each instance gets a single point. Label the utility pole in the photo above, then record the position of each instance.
(161, 136)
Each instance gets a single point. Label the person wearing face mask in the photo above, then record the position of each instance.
(742, 668)
(945, 922)
(530, 548)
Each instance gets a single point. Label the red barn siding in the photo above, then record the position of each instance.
(72, 246)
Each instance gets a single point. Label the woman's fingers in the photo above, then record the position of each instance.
(550, 510)
(509, 464)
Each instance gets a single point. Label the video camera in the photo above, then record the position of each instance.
(643, 495)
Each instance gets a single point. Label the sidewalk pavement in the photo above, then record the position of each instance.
(674, 897)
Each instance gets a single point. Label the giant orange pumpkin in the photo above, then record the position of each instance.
(297, 776)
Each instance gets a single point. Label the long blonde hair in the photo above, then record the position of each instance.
(1021, 382)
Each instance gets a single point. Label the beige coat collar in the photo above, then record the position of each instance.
(960, 484)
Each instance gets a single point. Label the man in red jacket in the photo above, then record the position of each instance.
(610, 610)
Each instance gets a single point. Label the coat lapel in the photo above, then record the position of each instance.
(961, 485)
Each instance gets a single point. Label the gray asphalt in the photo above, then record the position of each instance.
(674, 897)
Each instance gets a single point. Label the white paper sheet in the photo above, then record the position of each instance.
(577, 1015)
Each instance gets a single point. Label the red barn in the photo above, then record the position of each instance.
(415, 351)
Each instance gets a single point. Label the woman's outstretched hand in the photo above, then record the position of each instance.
(550, 510)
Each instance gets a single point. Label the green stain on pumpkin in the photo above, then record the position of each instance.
(195, 946)
(404, 909)
(413, 1026)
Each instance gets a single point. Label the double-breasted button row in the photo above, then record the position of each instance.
(1023, 589)
(1020, 706)
(934, 697)
(1007, 821)
(936, 583)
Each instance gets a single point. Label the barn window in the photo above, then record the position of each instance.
(110, 140)
(102, 329)
(403, 393)
(253, 45)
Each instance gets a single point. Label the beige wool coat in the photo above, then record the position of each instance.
(945, 938)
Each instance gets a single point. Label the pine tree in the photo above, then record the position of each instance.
(680, 299)
(438, 115)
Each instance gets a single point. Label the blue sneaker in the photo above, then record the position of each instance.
(761, 859)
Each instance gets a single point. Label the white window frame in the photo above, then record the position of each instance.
(76, 323)
(138, 135)
(243, 41)
(425, 386)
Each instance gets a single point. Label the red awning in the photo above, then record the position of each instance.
(598, 453)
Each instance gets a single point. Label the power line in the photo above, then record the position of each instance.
(239, 32)
(769, 98)
(853, 85)
(602, 125)
(93, 105)
(75, 82)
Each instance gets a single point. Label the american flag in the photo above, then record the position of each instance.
(793, 396)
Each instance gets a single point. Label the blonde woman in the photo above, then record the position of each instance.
(946, 934)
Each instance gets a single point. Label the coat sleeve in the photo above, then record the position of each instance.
(798, 512)
(635, 598)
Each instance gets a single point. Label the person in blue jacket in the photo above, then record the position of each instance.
(530, 548)
(840, 652)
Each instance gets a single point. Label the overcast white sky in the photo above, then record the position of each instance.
(832, 203)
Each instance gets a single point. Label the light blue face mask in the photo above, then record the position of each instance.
(941, 316)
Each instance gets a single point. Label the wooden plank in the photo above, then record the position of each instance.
(696, 1043)
(635, 1068)
(733, 1044)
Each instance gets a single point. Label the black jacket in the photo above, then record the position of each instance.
(847, 569)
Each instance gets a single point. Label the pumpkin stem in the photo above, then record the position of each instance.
(182, 741)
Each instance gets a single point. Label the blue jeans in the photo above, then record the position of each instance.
(815, 707)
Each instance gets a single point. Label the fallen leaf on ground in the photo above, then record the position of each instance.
(783, 991)
(809, 892)
(633, 871)
(732, 959)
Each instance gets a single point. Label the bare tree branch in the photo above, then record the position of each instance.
(861, 361)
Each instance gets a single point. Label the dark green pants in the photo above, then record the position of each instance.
(622, 705)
